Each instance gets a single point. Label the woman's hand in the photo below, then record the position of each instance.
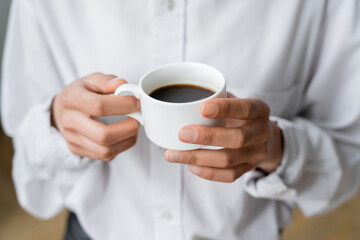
(250, 140)
(74, 113)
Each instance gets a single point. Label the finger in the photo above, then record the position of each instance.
(102, 83)
(220, 175)
(82, 152)
(100, 152)
(224, 158)
(225, 137)
(103, 105)
(238, 108)
(105, 135)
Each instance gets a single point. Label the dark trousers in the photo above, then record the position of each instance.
(74, 231)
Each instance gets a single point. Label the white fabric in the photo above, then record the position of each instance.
(302, 57)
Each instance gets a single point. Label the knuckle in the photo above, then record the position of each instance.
(207, 173)
(207, 135)
(193, 159)
(225, 160)
(66, 121)
(226, 109)
(104, 136)
(105, 153)
(239, 139)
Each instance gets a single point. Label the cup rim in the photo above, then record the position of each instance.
(181, 63)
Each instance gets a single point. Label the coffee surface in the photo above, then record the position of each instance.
(181, 93)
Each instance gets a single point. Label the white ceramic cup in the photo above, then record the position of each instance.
(163, 120)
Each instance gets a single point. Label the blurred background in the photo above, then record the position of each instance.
(16, 224)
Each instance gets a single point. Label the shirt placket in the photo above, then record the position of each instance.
(166, 192)
(166, 178)
(169, 31)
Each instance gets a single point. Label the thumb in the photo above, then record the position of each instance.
(114, 83)
(101, 83)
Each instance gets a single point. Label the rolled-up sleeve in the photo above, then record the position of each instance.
(320, 168)
(44, 169)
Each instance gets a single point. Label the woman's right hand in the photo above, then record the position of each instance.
(75, 110)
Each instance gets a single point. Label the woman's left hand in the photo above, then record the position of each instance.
(250, 140)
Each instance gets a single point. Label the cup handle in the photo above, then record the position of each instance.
(134, 89)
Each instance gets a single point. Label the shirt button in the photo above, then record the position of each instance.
(167, 215)
(170, 4)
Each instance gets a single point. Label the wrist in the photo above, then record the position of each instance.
(274, 149)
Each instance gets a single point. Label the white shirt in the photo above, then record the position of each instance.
(301, 57)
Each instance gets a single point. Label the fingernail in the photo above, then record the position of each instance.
(210, 110)
(195, 169)
(115, 80)
(173, 156)
(187, 135)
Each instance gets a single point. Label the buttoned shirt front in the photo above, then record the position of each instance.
(301, 57)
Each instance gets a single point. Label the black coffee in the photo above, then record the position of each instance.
(181, 93)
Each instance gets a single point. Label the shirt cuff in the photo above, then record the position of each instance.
(276, 185)
(47, 147)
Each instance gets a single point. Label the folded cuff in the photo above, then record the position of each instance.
(276, 185)
(47, 148)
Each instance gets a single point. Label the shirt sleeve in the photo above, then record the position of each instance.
(320, 168)
(44, 169)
